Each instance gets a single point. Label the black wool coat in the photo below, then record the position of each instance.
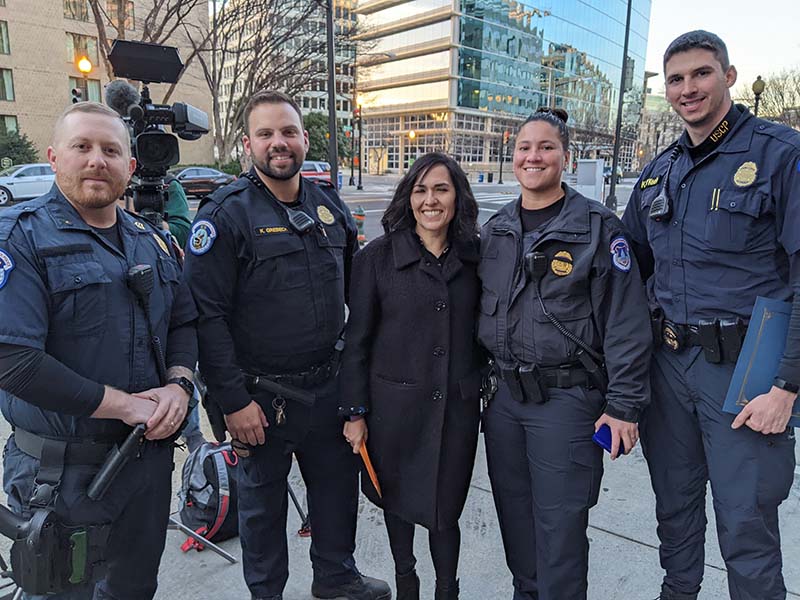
(412, 359)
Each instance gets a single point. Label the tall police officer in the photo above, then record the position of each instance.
(716, 220)
(77, 368)
(268, 261)
(562, 306)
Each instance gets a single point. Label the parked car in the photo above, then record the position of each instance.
(200, 181)
(607, 174)
(318, 170)
(22, 182)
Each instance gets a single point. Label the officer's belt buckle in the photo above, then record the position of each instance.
(672, 337)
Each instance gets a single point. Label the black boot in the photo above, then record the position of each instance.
(407, 586)
(668, 594)
(360, 588)
(446, 590)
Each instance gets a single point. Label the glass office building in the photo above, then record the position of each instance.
(454, 75)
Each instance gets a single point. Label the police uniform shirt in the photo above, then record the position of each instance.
(271, 300)
(592, 285)
(64, 288)
(734, 228)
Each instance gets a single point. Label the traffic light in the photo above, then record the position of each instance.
(77, 95)
(506, 135)
(356, 113)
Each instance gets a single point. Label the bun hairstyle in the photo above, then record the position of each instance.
(557, 117)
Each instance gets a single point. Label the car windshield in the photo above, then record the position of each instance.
(9, 171)
(325, 167)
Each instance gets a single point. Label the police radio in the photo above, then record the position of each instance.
(299, 221)
(661, 208)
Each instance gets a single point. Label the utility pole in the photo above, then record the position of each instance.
(611, 200)
(332, 150)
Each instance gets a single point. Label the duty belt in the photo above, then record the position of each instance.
(312, 376)
(565, 376)
(77, 452)
(721, 339)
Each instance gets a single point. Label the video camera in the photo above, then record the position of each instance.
(155, 150)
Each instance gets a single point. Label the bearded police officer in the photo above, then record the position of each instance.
(77, 365)
(268, 260)
(716, 222)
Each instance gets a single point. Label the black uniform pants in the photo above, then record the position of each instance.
(330, 472)
(545, 473)
(137, 504)
(688, 441)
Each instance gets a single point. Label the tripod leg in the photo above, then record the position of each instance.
(175, 524)
(305, 527)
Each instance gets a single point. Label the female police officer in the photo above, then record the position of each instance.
(564, 314)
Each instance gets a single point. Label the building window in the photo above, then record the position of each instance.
(77, 10)
(8, 123)
(5, 44)
(6, 85)
(2, 2)
(112, 8)
(81, 45)
(93, 85)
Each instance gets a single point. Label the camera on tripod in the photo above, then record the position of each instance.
(155, 149)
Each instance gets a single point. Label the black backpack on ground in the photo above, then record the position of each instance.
(208, 494)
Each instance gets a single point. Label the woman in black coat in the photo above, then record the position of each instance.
(412, 366)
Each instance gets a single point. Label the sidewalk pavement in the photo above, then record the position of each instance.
(623, 547)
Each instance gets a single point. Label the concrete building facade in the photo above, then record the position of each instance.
(42, 41)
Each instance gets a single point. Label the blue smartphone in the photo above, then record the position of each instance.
(602, 438)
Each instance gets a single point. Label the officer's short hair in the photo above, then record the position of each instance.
(704, 40)
(93, 108)
(268, 97)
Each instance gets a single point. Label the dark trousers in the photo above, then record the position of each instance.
(444, 547)
(688, 441)
(545, 473)
(137, 504)
(329, 470)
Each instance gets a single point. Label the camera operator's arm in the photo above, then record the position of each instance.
(177, 209)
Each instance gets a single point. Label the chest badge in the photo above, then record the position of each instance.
(325, 215)
(561, 264)
(620, 254)
(746, 174)
(161, 243)
(140, 226)
(6, 266)
(203, 235)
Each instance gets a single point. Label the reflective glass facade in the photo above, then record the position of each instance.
(496, 61)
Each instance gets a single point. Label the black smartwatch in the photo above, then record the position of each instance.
(185, 384)
(786, 385)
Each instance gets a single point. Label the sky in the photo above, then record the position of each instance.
(763, 36)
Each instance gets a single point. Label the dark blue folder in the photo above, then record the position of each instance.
(761, 354)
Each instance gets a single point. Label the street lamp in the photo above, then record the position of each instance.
(503, 142)
(758, 89)
(85, 67)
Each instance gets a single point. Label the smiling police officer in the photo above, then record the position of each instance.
(77, 366)
(268, 261)
(715, 220)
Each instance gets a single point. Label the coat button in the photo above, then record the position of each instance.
(78, 279)
(683, 186)
(440, 305)
(438, 351)
(437, 395)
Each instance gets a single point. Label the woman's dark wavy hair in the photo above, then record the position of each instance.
(399, 215)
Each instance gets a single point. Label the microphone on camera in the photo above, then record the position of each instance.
(123, 98)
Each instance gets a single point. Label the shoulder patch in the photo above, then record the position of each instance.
(203, 235)
(620, 254)
(6, 266)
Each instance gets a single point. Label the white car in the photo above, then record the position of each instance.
(22, 182)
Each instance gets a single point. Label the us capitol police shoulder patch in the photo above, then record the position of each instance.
(6, 266)
(620, 254)
(203, 235)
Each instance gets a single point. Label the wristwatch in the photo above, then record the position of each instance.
(786, 385)
(185, 384)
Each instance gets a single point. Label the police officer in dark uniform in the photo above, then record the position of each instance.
(268, 260)
(563, 313)
(77, 366)
(716, 221)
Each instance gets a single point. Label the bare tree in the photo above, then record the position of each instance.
(780, 100)
(251, 46)
(163, 23)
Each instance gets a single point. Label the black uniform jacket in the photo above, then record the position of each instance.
(592, 285)
(271, 301)
(412, 358)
